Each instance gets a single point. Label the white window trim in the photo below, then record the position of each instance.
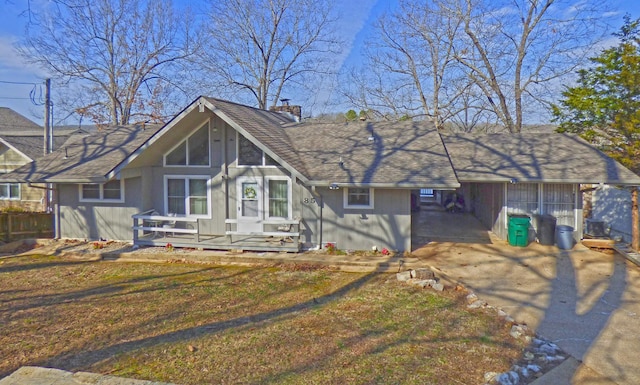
(264, 158)
(289, 195)
(102, 199)
(187, 207)
(185, 140)
(9, 198)
(360, 207)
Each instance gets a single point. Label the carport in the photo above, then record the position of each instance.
(531, 174)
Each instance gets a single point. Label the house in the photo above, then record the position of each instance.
(222, 175)
(21, 142)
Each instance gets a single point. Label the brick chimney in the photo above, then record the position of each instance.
(294, 111)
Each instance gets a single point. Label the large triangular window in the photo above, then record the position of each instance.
(193, 151)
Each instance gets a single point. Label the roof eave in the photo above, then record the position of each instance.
(437, 186)
(542, 180)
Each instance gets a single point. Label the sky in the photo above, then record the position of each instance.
(357, 18)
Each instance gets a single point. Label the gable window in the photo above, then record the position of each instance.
(251, 155)
(279, 197)
(187, 196)
(9, 191)
(111, 191)
(193, 151)
(358, 198)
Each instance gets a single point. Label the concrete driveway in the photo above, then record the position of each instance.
(586, 301)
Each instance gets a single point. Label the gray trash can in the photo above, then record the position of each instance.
(564, 237)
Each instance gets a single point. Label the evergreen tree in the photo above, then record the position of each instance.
(604, 108)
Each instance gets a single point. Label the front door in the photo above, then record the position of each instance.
(250, 210)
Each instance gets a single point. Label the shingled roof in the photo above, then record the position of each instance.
(26, 136)
(383, 154)
(86, 157)
(550, 158)
(263, 126)
(13, 121)
(376, 154)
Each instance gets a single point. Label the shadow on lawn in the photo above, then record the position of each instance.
(118, 288)
(79, 360)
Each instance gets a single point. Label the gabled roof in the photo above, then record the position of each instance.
(86, 158)
(550, 158)
(382, 154)
(264, 128)
(13, 121)
(25, 136)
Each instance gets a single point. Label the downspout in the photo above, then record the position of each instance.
(320, 202)
(225, 174)
(56, 215)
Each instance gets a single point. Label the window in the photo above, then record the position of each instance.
(111, 191)
(251, 155)
(193, 151)
(187, 196)
(358, 198)
(522, 198)
(279, 197)
(10, 191)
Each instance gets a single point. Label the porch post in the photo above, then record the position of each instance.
(635, 230)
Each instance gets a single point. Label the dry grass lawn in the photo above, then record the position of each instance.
(199, 324)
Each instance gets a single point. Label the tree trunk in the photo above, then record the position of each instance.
(635, 233)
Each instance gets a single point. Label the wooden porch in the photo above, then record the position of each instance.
(150, 229)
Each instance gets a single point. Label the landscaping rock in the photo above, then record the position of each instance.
(437, 286)
(518, 331)
(420, 282)
(404, 276)
(508, 378)
(471, 298)
(423, 274)
(477, 304)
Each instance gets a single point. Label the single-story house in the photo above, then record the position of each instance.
(222, 175)
(22, 142)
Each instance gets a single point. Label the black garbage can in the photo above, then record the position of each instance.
(546, 229)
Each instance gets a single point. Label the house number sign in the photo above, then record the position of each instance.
(307, 201)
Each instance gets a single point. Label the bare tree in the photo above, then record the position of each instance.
(267, 47)
(476, 61)
(117, 56)
(515, 49)
(409, 64)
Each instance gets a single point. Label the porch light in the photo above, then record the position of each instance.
(333, 186)
(513, 181)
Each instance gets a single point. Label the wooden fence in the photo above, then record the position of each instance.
(15, 226)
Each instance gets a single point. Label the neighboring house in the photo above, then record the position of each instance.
(226, 176)
(21, 142)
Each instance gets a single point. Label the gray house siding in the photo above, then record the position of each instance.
(387, 225)
(95, 220)
(612, 205)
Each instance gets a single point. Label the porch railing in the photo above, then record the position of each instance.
(286, 229)
(157, 224)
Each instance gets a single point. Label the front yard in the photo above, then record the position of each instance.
(199, 324)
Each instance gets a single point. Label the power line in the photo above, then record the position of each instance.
(20, 83)
(6, 97)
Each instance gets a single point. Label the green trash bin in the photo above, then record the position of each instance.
(519, 230)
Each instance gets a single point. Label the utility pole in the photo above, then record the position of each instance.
(47, 115)
(48, 138)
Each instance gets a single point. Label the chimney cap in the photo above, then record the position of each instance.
(285, 101)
